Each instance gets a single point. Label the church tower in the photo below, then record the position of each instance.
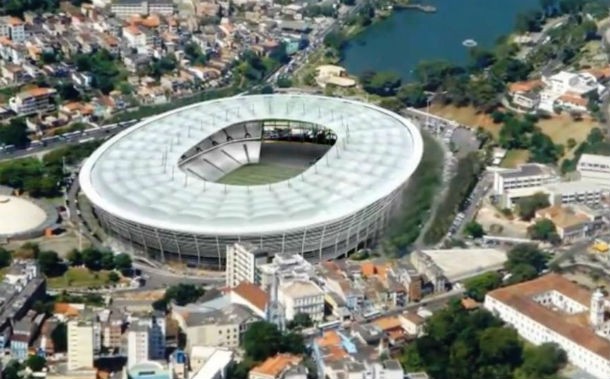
(596, 310)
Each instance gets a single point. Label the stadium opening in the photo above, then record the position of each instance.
(308, 174)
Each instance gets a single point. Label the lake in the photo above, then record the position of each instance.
(407, 37)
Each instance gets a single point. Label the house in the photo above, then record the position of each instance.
(251, 297)
(569, 222)
(334, 75)
(302, 297)
(275, 367)
(525, 95)
(35, 100)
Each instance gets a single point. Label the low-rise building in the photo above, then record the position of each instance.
(571, 223)
(275, 367)
(35, 100)
(553, 309)
(302, 297)
(595, 169)
(525, 176)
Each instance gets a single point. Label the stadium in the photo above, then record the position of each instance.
(305, 174)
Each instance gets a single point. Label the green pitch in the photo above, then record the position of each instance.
(262, 173)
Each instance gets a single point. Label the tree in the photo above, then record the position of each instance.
(262, 340)
(412, 95)
(113, 277)
(122, 261)
(92, 258)
(529, 205)
(542, 361)
(75, 257)
(284, 82)
(474, 229)
(12, 370)
(380, 83)
(50, 264)
(5, 258)
(300, 320)
(479, 285)
(183, 294)
(571, 143)
(107, 260)
(335, 40)
(15, 133)
(544, 230)
(525, 262)
(36, 363)
(500, 345)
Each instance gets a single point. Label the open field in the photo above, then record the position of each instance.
(514, 158)
(79, 277)
(262, 173)
(563, 127)
(467, 116)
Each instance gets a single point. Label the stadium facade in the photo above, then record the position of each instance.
(153, 186)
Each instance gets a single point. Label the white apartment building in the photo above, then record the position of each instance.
(155, 325)
(525, 176)
(301, 296)
(80, 345)
(137, 345)
(128, 8)
(286, 267)
(595, 168)
(33, 101)
(243, 260)
(553, 309)
(12, 28)
(574, 192)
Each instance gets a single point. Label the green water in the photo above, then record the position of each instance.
(407, 37)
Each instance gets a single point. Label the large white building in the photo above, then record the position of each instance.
(80, 345)
(137, 345)
(568, 91)
(286, 267)
(553, 309)
(302, 297)
(525, 176)
(12, 28)
(575, 192)
(243, 260)
(128, 8)
(595, 168)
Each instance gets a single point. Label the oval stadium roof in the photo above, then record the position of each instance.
(376, 151)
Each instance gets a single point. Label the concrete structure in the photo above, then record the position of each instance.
(20, 216)
(457, 264)
(149, 370)
(302, 297)
(210, 362)
(581, 191)
(333, 75)
(220, 328)
(553, 309)
(242, 263)
(12, 28)
(164, 200)
(595, 168)
(286, 267)
(128, 8)
(137, 345)
(571, 223)
(525, 176)
(35, 100)
(80, 345)
(568, 91)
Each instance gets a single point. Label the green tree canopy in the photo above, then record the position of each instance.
(528, 206)
(5, 258)
(544, 230)
(122, 261)
(15, 133)
(474, 230)
(263, 340)
(50, 264)
(383, 83)
(300, 320)
(36, 363)
(479, 285)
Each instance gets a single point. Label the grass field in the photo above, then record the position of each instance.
(514, 158)
(262, 173)
(79, 277)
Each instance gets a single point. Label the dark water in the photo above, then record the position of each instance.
(407, 37)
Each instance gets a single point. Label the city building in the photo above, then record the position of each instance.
(275, 367)
(568, 91)
(285, 267)
(128, 8)
(333, 75)
(302, 297)
(12, 28)
(251, 297)
(525, 176)
(243, 262)
(80, 345)
(571, 223)
(219, 328)
(137, 344)
(553, 309)
(210, 362)
(35, 100)
(595, 169)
